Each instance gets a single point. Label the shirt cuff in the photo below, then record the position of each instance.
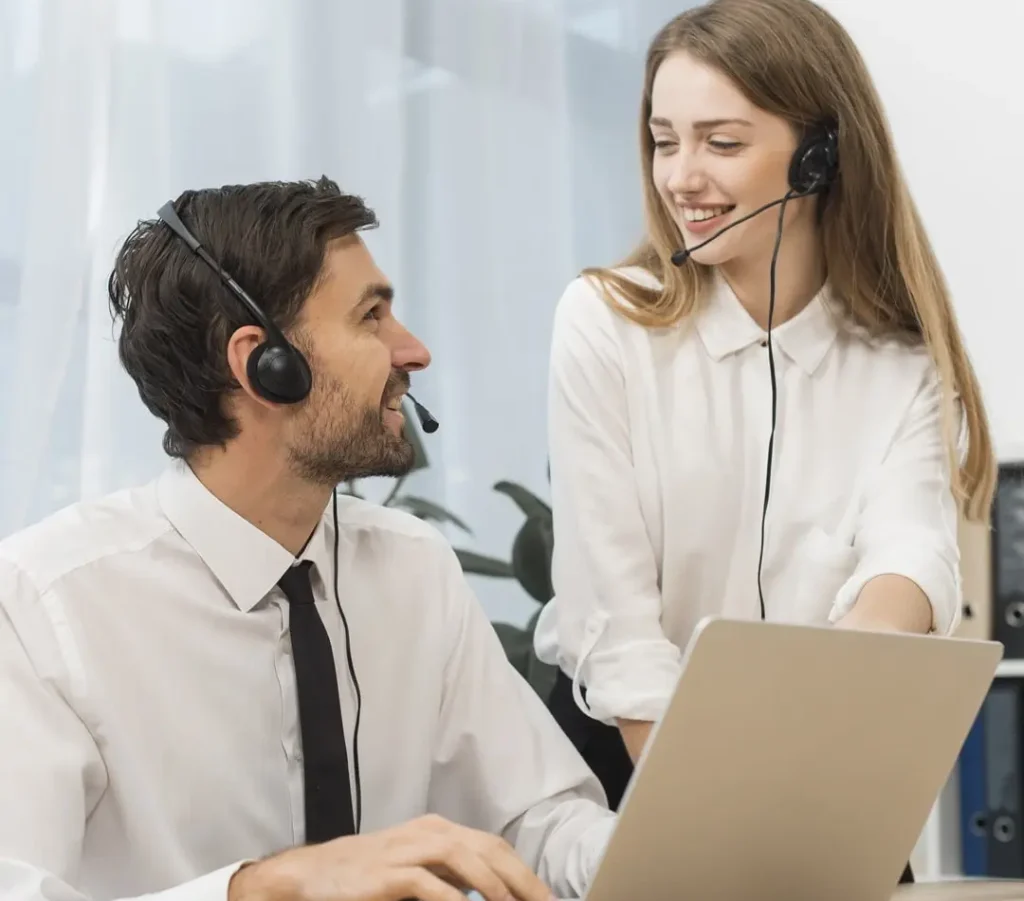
(939, 581)
(209, 887)
(632, 679)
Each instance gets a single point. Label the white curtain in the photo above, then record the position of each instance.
(496, 139)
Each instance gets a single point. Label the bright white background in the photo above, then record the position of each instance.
(497, 141)
(952, 80)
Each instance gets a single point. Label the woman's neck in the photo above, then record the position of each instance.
(799, 276)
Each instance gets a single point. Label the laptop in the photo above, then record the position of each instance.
(797, 763)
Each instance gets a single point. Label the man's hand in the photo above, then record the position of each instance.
(429, 859)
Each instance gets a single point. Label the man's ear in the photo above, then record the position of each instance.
(242, 343)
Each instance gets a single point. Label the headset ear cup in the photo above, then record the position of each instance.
(805, 170)
(279, 373)
(815, 161)
(252, 369)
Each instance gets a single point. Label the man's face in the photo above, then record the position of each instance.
(351, 425)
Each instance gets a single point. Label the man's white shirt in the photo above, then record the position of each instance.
(149, 711)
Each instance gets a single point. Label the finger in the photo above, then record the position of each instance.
(468, 870)
(522, 882)
(418, 883)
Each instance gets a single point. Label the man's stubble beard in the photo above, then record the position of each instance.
(335, 442)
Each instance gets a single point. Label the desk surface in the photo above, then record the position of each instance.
(958, 890)
(962, 890)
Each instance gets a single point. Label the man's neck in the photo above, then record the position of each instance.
(265, 492)
(799, 276)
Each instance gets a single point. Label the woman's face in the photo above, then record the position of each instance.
(718, 157)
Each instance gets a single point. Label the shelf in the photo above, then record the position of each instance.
(1010, 668)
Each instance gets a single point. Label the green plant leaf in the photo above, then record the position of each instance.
(531, 557)
(526, 500)
(481, 565)
(426, 509)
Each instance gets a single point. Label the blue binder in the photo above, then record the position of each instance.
(973, 801)
(1003, 785)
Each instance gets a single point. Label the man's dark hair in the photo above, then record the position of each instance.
(177, 315)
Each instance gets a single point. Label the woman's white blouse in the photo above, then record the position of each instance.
(658, 443)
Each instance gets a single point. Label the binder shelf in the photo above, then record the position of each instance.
(1010, 669)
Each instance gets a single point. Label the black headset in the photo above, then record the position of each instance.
(815, 162)
(277, 370)
(813, 169)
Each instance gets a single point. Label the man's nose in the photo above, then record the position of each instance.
(408, 352)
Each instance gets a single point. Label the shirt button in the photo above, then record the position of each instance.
(764, 343)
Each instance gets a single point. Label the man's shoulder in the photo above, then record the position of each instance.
(388, 529)
(411, 565)
(83, 533)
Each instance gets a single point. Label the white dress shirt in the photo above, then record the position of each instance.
(150, 727)
(658, 443)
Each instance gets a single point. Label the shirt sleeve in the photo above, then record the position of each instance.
(501, 762)
(51, 770)
(607, 603)
(908, 519)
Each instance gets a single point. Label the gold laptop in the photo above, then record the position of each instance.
(794, 763)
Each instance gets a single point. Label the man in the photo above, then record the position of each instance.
(209, 683)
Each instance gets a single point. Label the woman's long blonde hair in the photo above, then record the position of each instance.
(794, 60)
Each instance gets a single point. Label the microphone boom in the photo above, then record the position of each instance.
(683, 254)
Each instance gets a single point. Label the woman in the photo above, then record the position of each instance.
(661, 394)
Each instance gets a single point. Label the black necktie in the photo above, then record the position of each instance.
(328, 791)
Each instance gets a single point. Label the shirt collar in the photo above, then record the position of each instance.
(726, 328)
(245, 560)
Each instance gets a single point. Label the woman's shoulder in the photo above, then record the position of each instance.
(612, 278)
(874, 342)
(897, 372)
(586, 298)
(894, 350)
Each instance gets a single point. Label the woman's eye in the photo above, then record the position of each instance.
(725, 145)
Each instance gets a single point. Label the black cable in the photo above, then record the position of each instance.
(771, 369)
(352, 673)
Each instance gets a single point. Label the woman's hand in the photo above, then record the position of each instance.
(635, 734)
